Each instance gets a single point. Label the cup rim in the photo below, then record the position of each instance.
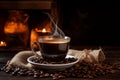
(53, 39)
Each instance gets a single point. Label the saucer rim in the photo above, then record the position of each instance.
(53, 65)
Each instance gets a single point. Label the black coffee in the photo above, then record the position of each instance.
(54, 50)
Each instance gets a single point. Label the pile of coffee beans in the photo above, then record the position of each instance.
(79, 70)
(43, 61)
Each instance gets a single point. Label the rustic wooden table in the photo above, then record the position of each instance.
(112, 54)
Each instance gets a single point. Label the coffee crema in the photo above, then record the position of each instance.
(54, 40)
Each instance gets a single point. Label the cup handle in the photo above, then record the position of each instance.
(33, 49)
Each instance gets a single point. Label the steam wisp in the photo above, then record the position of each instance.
(56, 31)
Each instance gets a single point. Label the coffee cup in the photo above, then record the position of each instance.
(51, 48)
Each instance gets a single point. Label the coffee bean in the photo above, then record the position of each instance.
(7, 71)
(29, 72)
(80, 70)
(14, 73)
(36, 76)
(21, 73)
(55, 77)
(41, 72)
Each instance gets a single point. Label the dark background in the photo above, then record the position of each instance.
(91, 22)
(86, 22)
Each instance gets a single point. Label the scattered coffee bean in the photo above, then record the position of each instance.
(29, 72)
(79, 70)
(46, 74)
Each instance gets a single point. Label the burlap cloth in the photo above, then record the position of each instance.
(20, 59)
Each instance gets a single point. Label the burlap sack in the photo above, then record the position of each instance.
(20, 59)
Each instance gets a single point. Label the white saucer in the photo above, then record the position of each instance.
(53, 66)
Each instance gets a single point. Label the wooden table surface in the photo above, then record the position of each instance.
(112, 54)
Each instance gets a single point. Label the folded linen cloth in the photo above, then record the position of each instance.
(20, 59)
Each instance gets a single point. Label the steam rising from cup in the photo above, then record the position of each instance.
(55, 30)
